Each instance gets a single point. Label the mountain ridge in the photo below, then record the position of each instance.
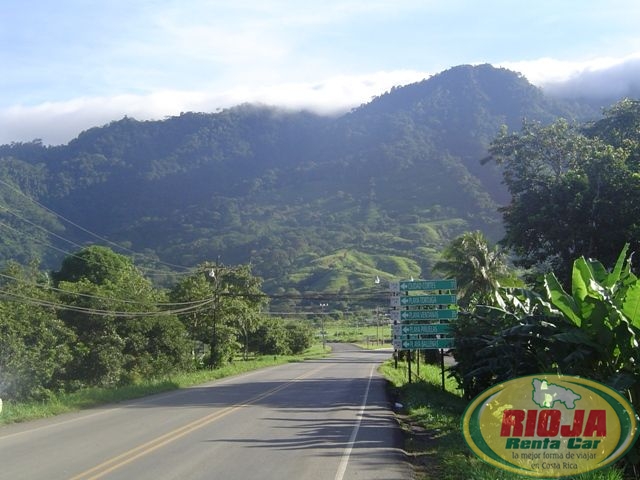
(398, 177)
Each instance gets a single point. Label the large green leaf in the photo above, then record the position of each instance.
(598, 272)
(587, 292)
(576, 337)
(615, 275)
(581, 277)
(630, 304)
(562, 301)
(597, 320)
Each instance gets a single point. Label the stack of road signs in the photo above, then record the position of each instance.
(421, 311)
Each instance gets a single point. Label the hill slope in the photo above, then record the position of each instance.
(313, 202)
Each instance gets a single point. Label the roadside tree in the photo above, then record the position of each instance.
(234, 302)
(574, 191)
(34, 343)
(122, 333)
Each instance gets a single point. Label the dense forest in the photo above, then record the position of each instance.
(312, 203)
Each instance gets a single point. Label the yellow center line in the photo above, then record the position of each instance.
(152, 445)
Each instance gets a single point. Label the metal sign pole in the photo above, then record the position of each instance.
(442, 368)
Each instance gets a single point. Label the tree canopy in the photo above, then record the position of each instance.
(479, 268)
(98, 321)
(575, 190)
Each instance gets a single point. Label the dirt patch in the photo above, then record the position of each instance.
(421, 448)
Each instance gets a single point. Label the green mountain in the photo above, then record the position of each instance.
(314, 203)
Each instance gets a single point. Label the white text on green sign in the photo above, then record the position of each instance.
(423, 344)
(404, 286)
(443, 314)
(422, 328)
(405, 301)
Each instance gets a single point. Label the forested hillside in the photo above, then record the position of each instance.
(313, 203)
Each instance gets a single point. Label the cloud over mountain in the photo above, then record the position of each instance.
(615, 81)
(604, 80)
(600, 78)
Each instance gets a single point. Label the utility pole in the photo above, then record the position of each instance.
(214, 277)
(324, 340)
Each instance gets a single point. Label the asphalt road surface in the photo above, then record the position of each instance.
(319, 419)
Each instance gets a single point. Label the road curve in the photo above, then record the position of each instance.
(313, 420)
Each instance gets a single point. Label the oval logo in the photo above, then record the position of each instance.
(549, 426)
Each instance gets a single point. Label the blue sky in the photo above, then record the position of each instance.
(69, 65)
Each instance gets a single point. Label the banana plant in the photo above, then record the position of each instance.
(604, 305)
(592, 331)
(525, 334)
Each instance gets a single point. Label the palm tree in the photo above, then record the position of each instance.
(478, 268)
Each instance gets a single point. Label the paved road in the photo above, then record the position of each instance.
(321, 419)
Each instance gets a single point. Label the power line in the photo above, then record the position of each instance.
(39, 227)
(100, 312)
(94, 235)
(187, 307)
(299, 313)
(97, 297)
(2, 224)
(73, 255)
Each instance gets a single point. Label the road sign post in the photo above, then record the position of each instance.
(418, 308)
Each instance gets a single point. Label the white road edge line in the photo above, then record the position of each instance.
(342, 468)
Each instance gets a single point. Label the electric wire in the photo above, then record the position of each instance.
(85, 230)
(97, 297)
(37, 240)
(39, 227)
(191, 306)
(144, 270)
(102, 312)
(297, 313)
(67, 253)
(186, 307)
(318, 297)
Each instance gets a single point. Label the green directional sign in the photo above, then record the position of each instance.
(441, 314)
(422, 328)
(406, 301)
(449, 284)
(408, 285)
(423, 344)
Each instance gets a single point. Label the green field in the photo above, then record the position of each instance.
(364, 335)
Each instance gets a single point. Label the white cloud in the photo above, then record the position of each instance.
(58, 122)
(599, 77)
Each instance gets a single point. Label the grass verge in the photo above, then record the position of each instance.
(430, 419)
(20, 412)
